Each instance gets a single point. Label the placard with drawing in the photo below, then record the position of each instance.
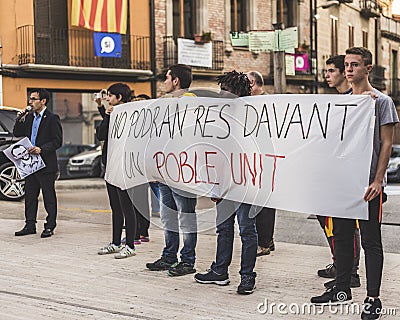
(25, 162)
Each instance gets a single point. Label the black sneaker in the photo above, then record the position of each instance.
(328, 272)
(159, 265)
(180, 269)
(247, 284)
(212, 277)
(372, 309)
(332, 297)
(354, 282)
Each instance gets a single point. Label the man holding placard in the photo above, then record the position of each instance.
(336, 78)
(358, 65)
(239, 85)
(178, 208)
(43, 128)
(265, 219)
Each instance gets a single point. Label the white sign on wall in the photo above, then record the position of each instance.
(194, 54)
(261, 41)
(278, 40)
(303, 153)
(289, 65)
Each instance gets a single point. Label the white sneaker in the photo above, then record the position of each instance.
(125, 253)
(110, 248)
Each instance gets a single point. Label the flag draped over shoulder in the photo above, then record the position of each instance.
(100, 15)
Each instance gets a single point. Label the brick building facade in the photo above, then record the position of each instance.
(338, 25)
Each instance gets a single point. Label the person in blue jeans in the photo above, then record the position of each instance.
(155, 199)
(239, 85)
(178, 208)
(178, 211)
(218, 272)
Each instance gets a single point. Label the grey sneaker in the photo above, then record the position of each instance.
(110, 248)
(126, 252)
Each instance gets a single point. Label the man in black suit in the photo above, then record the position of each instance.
(43, 128)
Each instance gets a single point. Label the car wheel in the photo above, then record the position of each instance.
(12, 187)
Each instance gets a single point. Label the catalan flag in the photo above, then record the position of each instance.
(100, 15)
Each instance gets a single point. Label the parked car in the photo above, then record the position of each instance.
(66, 152)
(12, 187)
(86, 164)
(393, 168)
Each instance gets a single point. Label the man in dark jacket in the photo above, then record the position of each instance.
(43, 128)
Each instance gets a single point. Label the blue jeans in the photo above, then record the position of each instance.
(178, 211)
(226, 211)
(155, 197)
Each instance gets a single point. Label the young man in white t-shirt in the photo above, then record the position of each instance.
(358, 65)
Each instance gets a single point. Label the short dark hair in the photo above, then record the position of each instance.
(43, 93)
(17, 146)
(337, 61)
(235, 82)
(142, 97)
(120, 89)
(257, 78)
(183, 72)
(363, 52)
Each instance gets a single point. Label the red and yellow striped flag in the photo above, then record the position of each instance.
(100, 15)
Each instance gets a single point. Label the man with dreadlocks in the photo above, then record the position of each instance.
(236, 83)
(239, 85)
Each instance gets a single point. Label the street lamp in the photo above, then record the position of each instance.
(314, 36)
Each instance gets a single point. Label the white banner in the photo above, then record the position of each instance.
(303, 153)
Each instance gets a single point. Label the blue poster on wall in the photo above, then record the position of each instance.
(107, 44)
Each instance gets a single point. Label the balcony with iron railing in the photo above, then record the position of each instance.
(370, 8)
(171, 55)
(75, 48)
(390, 28)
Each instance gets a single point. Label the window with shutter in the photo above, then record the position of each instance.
(287, 12)
(240, 15)
(184, 18)
(51, 32)
(334, 36)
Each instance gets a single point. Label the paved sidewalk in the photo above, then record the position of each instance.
(62, 277)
